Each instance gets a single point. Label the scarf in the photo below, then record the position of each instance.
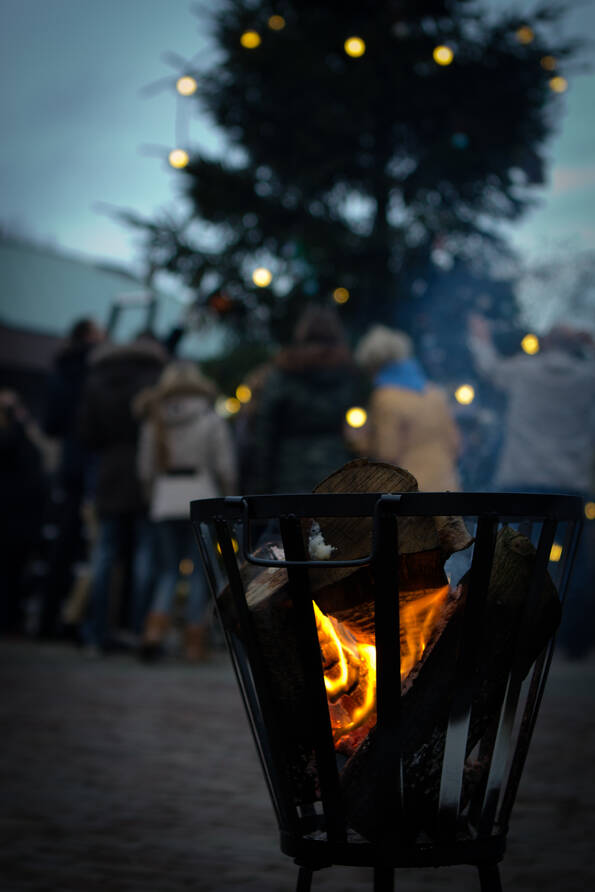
(407, 374)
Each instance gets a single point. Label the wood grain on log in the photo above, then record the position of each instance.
(351, 537)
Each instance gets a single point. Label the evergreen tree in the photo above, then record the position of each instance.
(359, 165)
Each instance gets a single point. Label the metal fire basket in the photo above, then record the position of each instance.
(466, 823)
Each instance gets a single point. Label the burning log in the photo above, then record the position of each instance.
(351, 537)
(425, 704)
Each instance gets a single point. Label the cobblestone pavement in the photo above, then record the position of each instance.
(122, 777)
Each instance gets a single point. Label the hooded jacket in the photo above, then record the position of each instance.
(185, 449)
(300, 423)
(106, 423)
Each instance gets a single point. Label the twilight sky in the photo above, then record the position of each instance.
(76, 127)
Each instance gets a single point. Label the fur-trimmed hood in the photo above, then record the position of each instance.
(178, 382)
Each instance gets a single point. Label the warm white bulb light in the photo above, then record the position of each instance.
(186, 85)
(178, 158)
(262, 277)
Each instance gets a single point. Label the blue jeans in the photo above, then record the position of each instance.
(117, 534)
(174, 543)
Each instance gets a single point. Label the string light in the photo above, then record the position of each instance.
(341, 295)
(276, 23)
(232, 405)
(524, 34)
(558, 84)
(243, 393)
(530, 344)
(354, 47)
(356, 417)
(178, 158)
(590, 510)
(465, 394)
(262, 277)
(250, 40)
(186, 567)
(186, 85)
(443, 55)
(548, 63)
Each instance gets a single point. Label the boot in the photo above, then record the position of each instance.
(156, 626)
(196, 641)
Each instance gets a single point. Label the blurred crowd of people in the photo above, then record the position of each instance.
(140, 438)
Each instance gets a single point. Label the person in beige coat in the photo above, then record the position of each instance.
(409, 421)
(185, 452)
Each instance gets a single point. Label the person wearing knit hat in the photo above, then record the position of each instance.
(409, 421)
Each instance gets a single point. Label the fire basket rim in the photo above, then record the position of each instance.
(517, 505)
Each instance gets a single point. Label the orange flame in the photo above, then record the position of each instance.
(349, 662)
(418, 619)
(349, 674)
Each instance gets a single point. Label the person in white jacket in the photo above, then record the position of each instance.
(185, 452)
(549, 442)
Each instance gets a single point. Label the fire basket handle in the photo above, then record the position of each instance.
(251, 558)
(384, 501)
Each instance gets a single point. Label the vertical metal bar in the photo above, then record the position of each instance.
(505, 728)
(387, 624)
(455, 746)
(205, 554)
(304, 881)
(301, 598)
(537, 688)
(388, 662)
(242, 671)
(384, 879)
(489, 878)
(274, 772)
(525, 732)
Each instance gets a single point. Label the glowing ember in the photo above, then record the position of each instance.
(349, 662)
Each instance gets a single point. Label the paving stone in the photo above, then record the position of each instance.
(122, 777)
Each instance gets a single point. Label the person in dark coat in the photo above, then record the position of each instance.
(73, 475)
(117, 373)
(300, 424)
(244, 427)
